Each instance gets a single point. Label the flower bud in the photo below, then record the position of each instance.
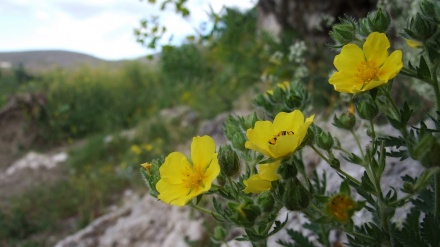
(238, 141)
(420, 29)
(325, 141)
(246, 213)
(287, 170)
(367, 110)
(228, 160)
(250, 120)
(345, 121)
(344, 32)
(335, 163)
(427, 151)
(295, 196)
(379, 21)
(266, 201)
(408, 187)
(219, 233)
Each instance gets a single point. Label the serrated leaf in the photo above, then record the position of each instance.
(423, 69)
(430, 230)
(425, 201)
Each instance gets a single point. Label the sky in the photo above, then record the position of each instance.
(101, 28)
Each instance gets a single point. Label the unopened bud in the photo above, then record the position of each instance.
(246, 212)
(219, 233)
(287, 170)
(228, 160)
(335, 163)
(345, 121)
(325, 141)
(266, 201)
(238, 141)
(367, 110)
(379, 21)
(295, 196)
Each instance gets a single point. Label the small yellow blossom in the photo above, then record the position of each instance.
(413, 43)
(147, 167)
(181, 179)
(280, 138)
(341, 207)
(135, 149)
(262, 181)
(148, 147)
(360, 70)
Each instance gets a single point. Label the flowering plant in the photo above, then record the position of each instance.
(261, 171)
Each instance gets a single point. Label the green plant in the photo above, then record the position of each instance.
(275, 176)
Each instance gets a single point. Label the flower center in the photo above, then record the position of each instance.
(273, 141)
(193, 179)
(367, 71)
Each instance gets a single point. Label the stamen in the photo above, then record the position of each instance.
(367, 71)
(273, 141)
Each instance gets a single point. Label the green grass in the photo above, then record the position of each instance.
(91, 103)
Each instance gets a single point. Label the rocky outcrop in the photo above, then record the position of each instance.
(142, 221)
(308, 18)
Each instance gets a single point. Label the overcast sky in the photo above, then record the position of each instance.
(101, 28)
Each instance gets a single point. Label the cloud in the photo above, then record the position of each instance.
(103, 28)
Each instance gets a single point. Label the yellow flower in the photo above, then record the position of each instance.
(135, 149)
(147, 167)
(362, 70)
(341, 207)
(285, 86)
(182, 180)
(262, 181)
(148, 147)
(280, 138)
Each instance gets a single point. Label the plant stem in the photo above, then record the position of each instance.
(204, 210)
(338, 169)
(324, 236)
(437, 194)
(358, 143)
(437, 94)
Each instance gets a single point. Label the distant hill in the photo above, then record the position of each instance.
(50, 59)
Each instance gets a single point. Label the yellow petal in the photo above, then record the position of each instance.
(256, 185)
(259, 136)
(376, 48)
(174, 166)
(349, 59)
(211, 173)
(343, 82)
(172, 193)
(202, 150)
(284, 146)
(413, 43)
(372, 84)
(391, 67)
(269, 171)
(288, 121)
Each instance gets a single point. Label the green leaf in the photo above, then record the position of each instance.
(425, 201)
(353, 158)
(299, 240)
(345, 187)
(423, 69)
(430, 230)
